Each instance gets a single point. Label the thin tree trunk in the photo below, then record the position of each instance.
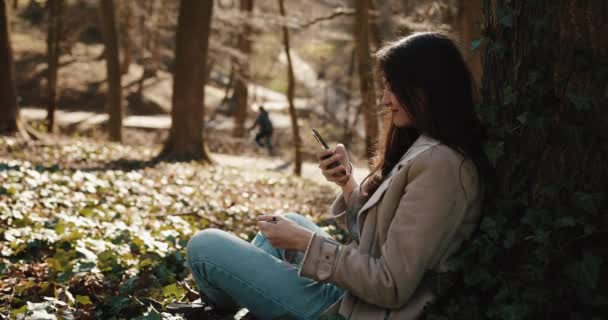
(347, 134)
(290, 95)
(126, 36)
(9, 110)
(230, 82)
(53, 52)
(469, 12)
(159, 19)
(242, 74)
(110, 35)
(186, 135)
(382, 24)
(366, 80)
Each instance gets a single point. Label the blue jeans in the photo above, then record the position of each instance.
(233, 273)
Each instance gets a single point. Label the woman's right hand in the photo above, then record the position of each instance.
(340, 174)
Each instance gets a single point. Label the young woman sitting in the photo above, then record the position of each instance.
(408, 218)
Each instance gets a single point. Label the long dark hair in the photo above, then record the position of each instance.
(429, 77)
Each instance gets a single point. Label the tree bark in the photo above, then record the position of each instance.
(347, 134)
(9, 110)
(290, 94)
(242, 72)
(407, 6)
(366, 79)
(544, 86)
(382, 25)
(53, 48)
(469, 14)
(110, 35)
(126, 36)
(185, 140)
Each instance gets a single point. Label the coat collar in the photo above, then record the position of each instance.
(421, 144)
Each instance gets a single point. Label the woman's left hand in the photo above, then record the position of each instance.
(284, 233)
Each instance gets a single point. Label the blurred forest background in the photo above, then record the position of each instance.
(125, 129)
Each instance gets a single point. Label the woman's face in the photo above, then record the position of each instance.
(401, 118)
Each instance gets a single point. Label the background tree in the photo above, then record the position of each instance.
(290, 93)
(186, 135)
(242, 70)
(53, 49)
(541, 249)
(469, 29)
(149, 20)
(9, 111)
(110, 35)
(366, 79)
(126, 39)
(382, 24)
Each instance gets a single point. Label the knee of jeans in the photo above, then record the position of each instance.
(294, 216)
(204, 243)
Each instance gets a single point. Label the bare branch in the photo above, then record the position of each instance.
(336, 13)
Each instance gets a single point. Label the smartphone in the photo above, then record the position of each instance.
(317, 136)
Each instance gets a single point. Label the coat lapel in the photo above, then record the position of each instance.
(421, 144)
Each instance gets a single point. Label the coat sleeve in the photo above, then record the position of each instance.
(428, 213)
(343, 212)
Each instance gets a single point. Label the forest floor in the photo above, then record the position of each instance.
(95, 230)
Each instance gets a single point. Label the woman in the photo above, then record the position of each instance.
(407, 219)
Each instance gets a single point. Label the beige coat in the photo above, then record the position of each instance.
(414, 222)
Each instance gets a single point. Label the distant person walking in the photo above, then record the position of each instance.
(264, 135)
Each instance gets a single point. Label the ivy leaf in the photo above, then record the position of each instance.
(83, 300)
(507, 20)
(522, 117)
(117, 304)
(150, 314)
(563, 222)
(20, 311)
(585, 273)
(174, 291)
(495, 150)
(475, 44)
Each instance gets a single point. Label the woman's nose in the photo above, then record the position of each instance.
(385, 102)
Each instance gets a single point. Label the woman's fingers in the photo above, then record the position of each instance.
(342, 180)
(323, 164)
(322, 154)
(338, 171)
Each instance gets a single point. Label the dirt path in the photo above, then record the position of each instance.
(310, 170)
(84, 119)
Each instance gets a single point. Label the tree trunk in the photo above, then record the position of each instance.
(290, 94)
(9, 110)
(346, 133)
(540, 249)
(407, 6)
(242, 74)
(186, 135)
(366, 79)
(382, 25)
(469, 14)
(230, 82)
(110, 35)
(53, 48)
(126, 36)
